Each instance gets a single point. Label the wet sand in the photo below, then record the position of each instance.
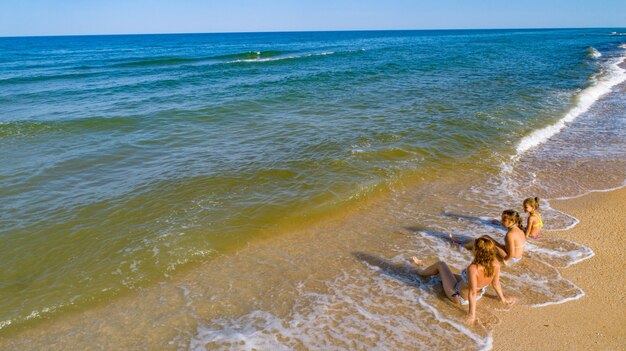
(597, 320)
(289, 269)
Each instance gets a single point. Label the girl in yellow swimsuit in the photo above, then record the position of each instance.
(534, 222)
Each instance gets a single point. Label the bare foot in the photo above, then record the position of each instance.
(417, 261)
(454, 239)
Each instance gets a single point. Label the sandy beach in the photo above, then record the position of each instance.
(596, 321)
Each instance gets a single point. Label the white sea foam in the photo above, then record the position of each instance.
(574, 221)
(576, 297)
(357, 312)
(36, 314)
(590, 192)
(266, 59)
(5, 323)
(567, 256)
(486, 342)
(604, 83)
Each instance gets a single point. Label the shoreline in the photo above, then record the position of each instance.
(595, 321)
(394, 180)
(161, 307)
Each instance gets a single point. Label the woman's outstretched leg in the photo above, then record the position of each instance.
(427, 271)
(448, 279)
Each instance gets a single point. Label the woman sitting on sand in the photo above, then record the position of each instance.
(514, 240)
(469, 287)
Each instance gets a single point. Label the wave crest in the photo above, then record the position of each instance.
(593, 53)
(613, 76)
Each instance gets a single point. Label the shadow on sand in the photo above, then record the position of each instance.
(404, 272)
(478, 220)
(457, 239)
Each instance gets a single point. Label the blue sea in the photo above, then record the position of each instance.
(265, 190)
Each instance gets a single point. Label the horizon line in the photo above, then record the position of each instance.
(305, 31)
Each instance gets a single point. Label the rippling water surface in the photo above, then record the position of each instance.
(126, 159)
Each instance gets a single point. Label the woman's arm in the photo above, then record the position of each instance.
(472, 276)
(495, 283)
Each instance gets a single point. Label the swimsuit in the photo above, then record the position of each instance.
(524, 244)
(512, 260)
(539, 225)
(457, 288)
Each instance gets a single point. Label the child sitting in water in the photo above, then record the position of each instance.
(534, 222)
(514, 240)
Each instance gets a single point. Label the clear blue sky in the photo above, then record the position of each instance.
(61, 17)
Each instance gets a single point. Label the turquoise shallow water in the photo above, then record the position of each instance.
(124, 158)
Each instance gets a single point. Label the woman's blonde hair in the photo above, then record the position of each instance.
(485, 253)
(533, 202)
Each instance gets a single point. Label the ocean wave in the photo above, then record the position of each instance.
(593, 53)
(159, 62)
(392, 153)
(264, 58)
(36, 314)
(30, 128)
(591, 192)
(253, 55)
(25, 128)
(604, 83)
(42, 78)
(248, 56)
(165, 61)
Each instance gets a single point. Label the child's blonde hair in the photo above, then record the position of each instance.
(533, 202)
(513, 216)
